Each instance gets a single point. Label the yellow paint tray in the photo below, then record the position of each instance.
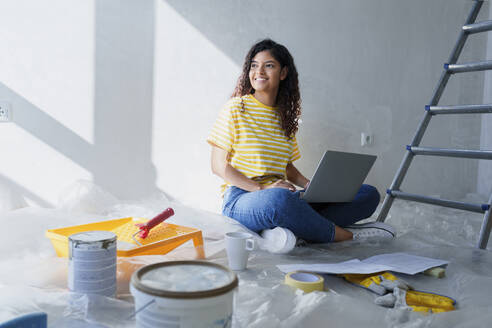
(162, 239)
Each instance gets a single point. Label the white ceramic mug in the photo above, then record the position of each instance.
(238, 246)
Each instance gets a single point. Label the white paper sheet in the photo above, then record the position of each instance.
(396, 262)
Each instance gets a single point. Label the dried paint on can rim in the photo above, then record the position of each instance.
(91, 241)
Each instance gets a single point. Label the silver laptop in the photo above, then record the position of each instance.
(338, 177)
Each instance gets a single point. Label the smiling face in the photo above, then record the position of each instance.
(265, 73)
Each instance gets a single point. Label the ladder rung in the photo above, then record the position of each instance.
(460, 109)
(462, 153)
(478, 208)
(468, 67)
(478, 27)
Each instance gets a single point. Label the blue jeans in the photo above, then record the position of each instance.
(278, 207)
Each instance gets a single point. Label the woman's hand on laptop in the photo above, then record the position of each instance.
(280, 184)
(307, 184)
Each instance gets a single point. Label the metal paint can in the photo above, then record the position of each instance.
(184, 294)
(92, 263)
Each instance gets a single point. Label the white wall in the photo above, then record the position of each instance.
(365, 66)
(47, 74)
(484, 183)
(125, 92)
(79, 76)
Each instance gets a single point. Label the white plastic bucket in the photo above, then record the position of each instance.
(92, 263)
(183, 294)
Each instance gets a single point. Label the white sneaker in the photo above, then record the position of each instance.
(371, 230)
(278, 240)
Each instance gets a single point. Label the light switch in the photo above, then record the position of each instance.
(5, 111)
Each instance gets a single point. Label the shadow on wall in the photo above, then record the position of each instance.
(123, 101)
(229, 25)
(332, 43)
(14, 189)
(120, 160)
(48, 130)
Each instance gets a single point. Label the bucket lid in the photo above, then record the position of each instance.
(184, 279)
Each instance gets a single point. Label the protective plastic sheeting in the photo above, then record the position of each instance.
(32, 278)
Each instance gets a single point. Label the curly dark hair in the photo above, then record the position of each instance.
(288, 100)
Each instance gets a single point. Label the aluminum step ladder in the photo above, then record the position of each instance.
(450, 68)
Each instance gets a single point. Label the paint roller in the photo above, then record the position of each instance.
(144, 228)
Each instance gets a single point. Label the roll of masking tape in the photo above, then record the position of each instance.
(305, 281)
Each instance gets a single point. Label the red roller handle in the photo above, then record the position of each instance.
(145, 227)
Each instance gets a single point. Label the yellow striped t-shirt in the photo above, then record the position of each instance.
(251, 133)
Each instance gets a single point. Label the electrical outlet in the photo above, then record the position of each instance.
(5, 111)
(366, 139)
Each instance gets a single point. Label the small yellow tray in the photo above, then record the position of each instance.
(162, 239)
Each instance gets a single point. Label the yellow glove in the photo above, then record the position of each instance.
(380, 283)
(417, 301)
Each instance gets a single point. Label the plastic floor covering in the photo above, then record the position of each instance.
(33, 279)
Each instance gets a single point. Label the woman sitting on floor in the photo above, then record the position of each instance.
(253, 150)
